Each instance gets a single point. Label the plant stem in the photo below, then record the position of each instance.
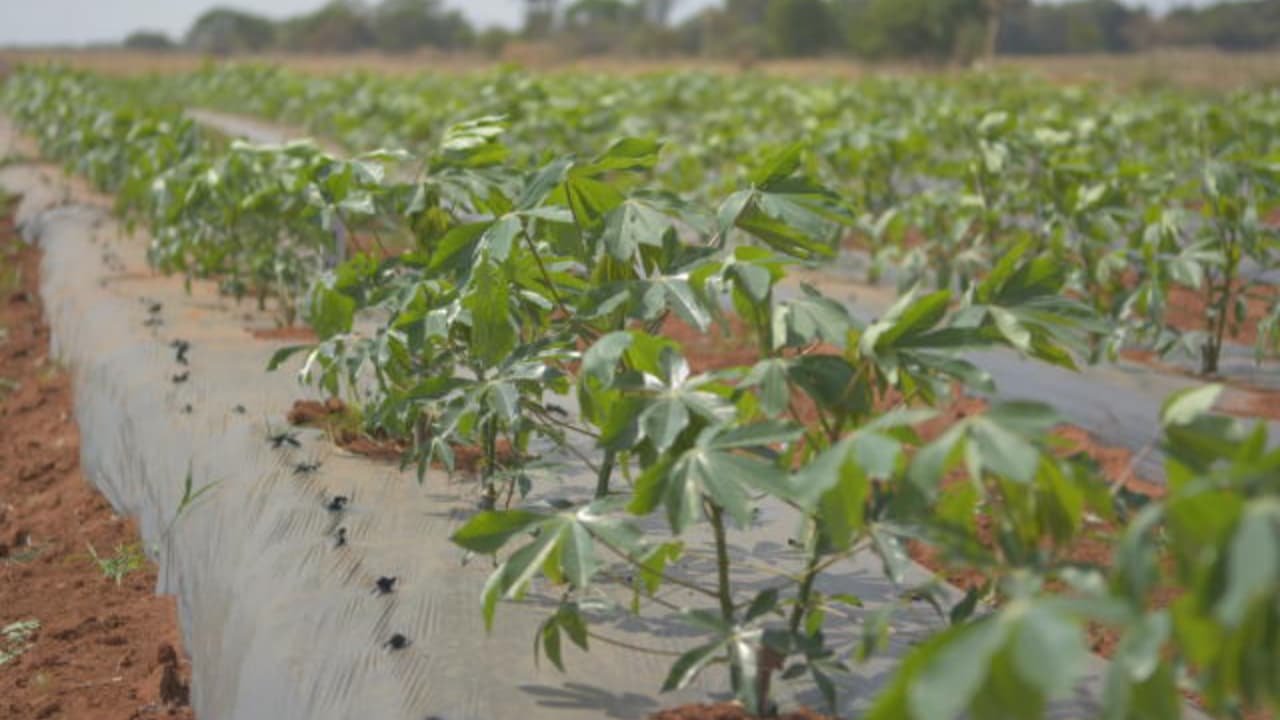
(1211, 353)
(806, 590)
(665, 577)
(724, 590)
(606, 471)
(546, 277)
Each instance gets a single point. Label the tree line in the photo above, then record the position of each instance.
(941, 30)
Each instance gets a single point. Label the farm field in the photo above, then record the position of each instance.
(885, 398)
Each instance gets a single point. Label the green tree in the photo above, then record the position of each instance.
(148, 40)
(339, 26)
(225, 30)
(402, 25)
(539, 17)
(798, 27)
(911, 28)
(597, 12)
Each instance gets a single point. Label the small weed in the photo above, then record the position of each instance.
(15, 639)
(11, 279)
(125, 559)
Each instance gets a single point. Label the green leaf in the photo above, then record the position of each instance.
(579, 556)
(591, 200)
(950, 678)
(764, 603)
(600, 361)
(663, 421)
(548, 638)
(1184, 406)
(626, 154)
(1002, 451)
(1011, 328)
(688, 665)
(842, 509)
(778, 166)
(1049, 651)
(903, 322)
(770, 376)
(332, 313)
(487, 532)
(632, 224)
(500, 236)
(1253, 565)
(281, 356)
(492, 333)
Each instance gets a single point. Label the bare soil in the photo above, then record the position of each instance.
(292, 332)
(344, 430)
(102, 650)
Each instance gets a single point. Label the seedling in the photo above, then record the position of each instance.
(123, 561)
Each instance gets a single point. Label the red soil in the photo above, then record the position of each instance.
(101, 650)
(1186, 310)
(331, 415)
(1241, 399)
(293, 332)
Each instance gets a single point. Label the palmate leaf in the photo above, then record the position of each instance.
(1006, 441)
(568, 620)
(332, 312)
(989, 668)
(672, 397)
(785, 210)
(632, 224)
(811, 318)
(715, 467)
(562, 546)
(493, 334)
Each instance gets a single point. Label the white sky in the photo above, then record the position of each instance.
(45, 22)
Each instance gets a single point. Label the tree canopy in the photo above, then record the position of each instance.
(940, 30)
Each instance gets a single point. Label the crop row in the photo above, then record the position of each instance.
(1150, 198)
(504, 283)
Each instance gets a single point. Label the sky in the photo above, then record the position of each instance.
(47, 22)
